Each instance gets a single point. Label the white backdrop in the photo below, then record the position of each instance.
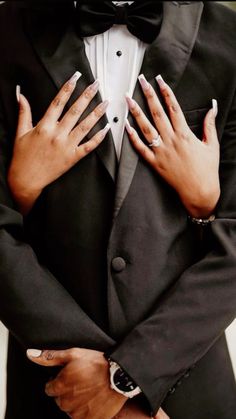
(231, 334)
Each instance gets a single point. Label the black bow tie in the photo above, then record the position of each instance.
(142, 18)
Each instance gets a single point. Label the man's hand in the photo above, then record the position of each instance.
(82, 388)
(132, 410)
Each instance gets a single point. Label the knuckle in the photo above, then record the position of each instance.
(136, 112)
(146, 130)
(88, 93)
(88, 147)
(74, 110)
(173, 108)
(83, 127)
(184, 136)
(99, 111)
(157, 114)
(74, 352)
(48, 355)
(166, 94)
(41, 130)
(62, 404)
(57, 101)
(68, 87)
(150, 93)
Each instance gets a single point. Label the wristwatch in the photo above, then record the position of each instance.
(121, 381)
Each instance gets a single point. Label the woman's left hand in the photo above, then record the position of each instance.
(189, 165)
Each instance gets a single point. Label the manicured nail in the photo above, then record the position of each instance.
(215, 107)
(160, 81)
(128, 127)
(144, 83)
(34, 353)
(94, 86)
(18, 93)
(131, 103)
(104, 105)
(105, 130)
(75, 77)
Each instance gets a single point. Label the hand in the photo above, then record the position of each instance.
(43, 153)
(190, 166)
(82, 388)
(131, 410)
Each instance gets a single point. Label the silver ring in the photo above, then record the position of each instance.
(156, 142)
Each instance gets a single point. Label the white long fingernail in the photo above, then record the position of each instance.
(215, 107)
(75, 77)
(18, 92)
(34, 353)
(144, 83)
(131, 103)
(160, 81)
(128, 127)
(106, 129)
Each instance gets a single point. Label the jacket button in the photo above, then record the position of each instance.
(118, 264)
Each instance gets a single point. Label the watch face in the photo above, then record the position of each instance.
(123, 382)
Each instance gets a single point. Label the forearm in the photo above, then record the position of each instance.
(31, 302)
(195, 312)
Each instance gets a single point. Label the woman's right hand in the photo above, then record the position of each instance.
(43, 153)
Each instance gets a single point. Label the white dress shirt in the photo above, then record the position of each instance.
(115, 58)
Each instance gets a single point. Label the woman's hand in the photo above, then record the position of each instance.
(190, 166)
(45, 152)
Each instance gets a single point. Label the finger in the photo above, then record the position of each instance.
(82, 130)
(142, 149)
(161, 415)
(209, 126)
(84, 149)
(57, 105)
(159, 116)
(67, 402)
(175, 112)
(56, 388)
(76, 110)
(143, 122)
(50, 358)
(25, 115)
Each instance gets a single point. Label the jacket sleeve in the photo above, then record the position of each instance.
(199, 307)
(34, 306)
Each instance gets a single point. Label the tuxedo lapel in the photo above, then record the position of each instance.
(168, 56)
(62, 53)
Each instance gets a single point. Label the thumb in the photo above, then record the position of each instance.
(209, 128)
(25, 115)
(51, 358)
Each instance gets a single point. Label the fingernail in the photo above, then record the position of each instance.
(160, 81)
(75, 77)
(106, 129)
(215, 107)
(18, 93)
(34, 353)
(131, 103)
(104, 105)
(94, 86)
(144, 83)
(128, 127)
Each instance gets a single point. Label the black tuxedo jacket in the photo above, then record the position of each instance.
(107, 258)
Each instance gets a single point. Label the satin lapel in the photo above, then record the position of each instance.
(62, 53)
(167, 56)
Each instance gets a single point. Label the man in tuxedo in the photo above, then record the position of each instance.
(107, 259)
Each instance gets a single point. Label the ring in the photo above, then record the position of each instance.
(156, 142)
